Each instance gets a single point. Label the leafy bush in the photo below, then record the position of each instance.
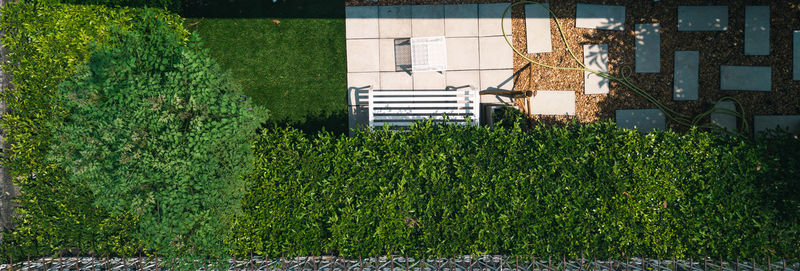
(155, 129)
(444, 190)
(171, 5)
(46, 43)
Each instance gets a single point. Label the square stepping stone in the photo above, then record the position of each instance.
(396, 81)
(796, 57)
(687, 64)
(756, 30)
(461, 20)
(603, 17)
(495, 53)
(537, 27)
(361, 22)
(642, 120)
(395, 21)
(462, 54)
(463, 79)
(427, 20)
(553, 103)
(724, 120)
(428, 81)
(362, 55)
(358, 85)
(754, 78)
(791, 123)
(595, 57)
(648, 48)
(702, 18)
(489, 22)
(496, 80)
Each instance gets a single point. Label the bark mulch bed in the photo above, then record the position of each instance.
(716, 48)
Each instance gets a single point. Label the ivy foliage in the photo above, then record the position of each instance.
(454, 190)
(157, 130)
(46, 42)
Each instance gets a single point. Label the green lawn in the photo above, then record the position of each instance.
(295, 66)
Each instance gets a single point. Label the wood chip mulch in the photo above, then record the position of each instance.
(716, 48)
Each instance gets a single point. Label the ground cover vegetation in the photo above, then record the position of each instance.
(139, 83)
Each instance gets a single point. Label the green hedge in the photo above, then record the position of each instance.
(594, 189)
(171, 5)
(46, 42)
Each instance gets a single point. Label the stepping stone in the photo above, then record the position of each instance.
(756, 30)
(553, 103)
(361, 22)
(489, 22)
(427, 20)
(642, 120)
(496, 80)
(796, 57)
(754, 78)
(702, 18)
(724, 120)
(428, 81)
(495, 53)
(462, 54)
(362, 55)
(770, 122)
(595, 57)
(537, 26)
(358, 85)
(685, 78)
(648, 48)
(600, 17)
(396, 81)
(395, 21)
(461, 20)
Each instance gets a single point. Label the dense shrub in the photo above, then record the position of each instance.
(157, 130)
(46, 42)
(443, 190)
(171, 5)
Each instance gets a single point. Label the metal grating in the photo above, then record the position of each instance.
(402, 55)
(428, 54)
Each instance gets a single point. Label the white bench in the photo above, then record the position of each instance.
(402, 108)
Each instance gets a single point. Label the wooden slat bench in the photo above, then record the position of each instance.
(402, 108)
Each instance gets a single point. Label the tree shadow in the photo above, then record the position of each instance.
(334, 122)
(263, 9)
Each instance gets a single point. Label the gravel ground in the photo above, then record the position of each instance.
(716, 48)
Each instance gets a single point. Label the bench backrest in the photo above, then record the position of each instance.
(401, 108)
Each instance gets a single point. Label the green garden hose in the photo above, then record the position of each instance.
(623, 79)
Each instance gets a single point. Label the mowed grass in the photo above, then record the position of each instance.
(295, 67)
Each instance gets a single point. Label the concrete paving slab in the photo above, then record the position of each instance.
(642, 120)
(648, 48)
(396, 81)
(495, 53)
(427, 20)
(537, 27)
(595, 57)
(726, 121)
(463, 79)
(553, 103)
(756, 30)
(395, 21)
(754, 78)
(461, 20)
(462, 54)
(496, 80)
(386, 55)
(685, 77)
(363, 55)
(489, 22)
(361, 22)
(358, 84)
(428, 81)
(702, 18)
(796, 57)
(791, 123)
(603, 17)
